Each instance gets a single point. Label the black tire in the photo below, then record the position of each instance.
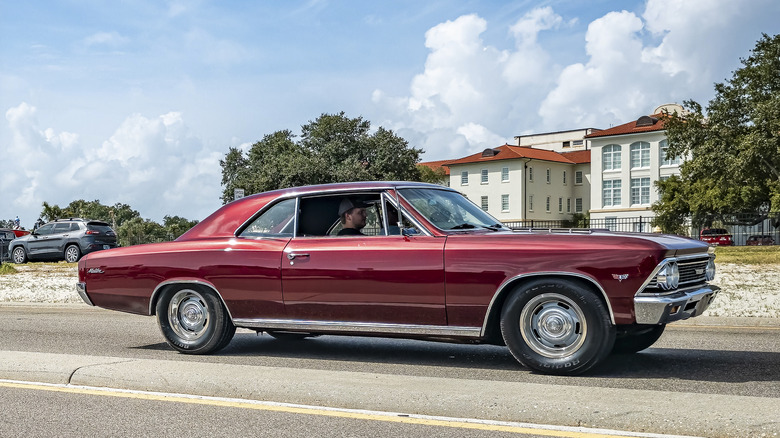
(557, 326)
(633, 339)
(290, 336)
(193, 320)
(72, 253)
(19, 255)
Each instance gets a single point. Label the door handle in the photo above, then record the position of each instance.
(291, 256)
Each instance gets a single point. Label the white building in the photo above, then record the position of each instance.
(546, 177)
(626, 162)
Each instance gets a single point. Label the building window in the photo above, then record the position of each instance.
(484, 177)
(564, 177)
(568, 205)
(531, 203)
(464, 178)
(640, 155)
(567, 144)
(610, 157)
(547, 205)
(560, 205)
(576, 143)
(484, 203)
(640, 191)
(611, 192)
(504, 202)
(578, 205)
(674, 161)
(578, 178)
(549, 176)
(504, 174)
(530, 174)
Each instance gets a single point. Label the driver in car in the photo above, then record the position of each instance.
(353, 217)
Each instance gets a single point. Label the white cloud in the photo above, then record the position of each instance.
(156, 165)
(105, 39)
(672, 51)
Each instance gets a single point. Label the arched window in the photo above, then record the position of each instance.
(640, 154)
(610, 156)
(673, 161)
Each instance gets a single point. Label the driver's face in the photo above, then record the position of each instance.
(356, 218)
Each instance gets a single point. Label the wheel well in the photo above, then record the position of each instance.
(162, 287)
(492, 331)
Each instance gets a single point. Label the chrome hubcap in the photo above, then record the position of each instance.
(188, 315)
(553, 325)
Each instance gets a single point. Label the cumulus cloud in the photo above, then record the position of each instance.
(156, 165)
(471, 93)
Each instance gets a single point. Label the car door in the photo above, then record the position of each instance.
(374, 279)
(55, 244)
(38, 242)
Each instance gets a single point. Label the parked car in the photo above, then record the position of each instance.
(429, 265)
(6, 236)
(63, 239)
(716, 237)
(760, 240)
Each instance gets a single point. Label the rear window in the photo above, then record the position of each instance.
(714, 231)
(99, 226)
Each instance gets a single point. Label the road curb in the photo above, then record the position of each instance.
(611, 408)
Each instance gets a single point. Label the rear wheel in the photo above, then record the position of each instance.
(193, 320)
(19, 255)
(72, 253)
(557, 326)
(636, 338)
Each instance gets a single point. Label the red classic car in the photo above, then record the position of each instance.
(426, 264)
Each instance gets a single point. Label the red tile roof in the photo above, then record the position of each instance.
(631, 128)
(507, 152)
(436, 165)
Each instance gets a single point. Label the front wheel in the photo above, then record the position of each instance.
(193, 320)
(633, 339)
(19, 255)
(557, 326)
(72, 254)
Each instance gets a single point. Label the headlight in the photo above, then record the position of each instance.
(709, 274)
(668, 277)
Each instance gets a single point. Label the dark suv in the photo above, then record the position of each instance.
(67, 239)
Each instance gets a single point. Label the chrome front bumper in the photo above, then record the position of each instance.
(666, 308)
(81, 288)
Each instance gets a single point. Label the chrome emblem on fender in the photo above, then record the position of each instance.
(95, 271)
(620, 277)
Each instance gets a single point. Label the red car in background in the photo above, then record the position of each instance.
(716, 237)
(429, 264)
(760, 240)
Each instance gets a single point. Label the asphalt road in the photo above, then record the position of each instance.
(717, 379)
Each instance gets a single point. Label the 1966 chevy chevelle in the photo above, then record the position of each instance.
(429, 264)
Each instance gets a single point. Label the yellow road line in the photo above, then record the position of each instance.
(495, 426)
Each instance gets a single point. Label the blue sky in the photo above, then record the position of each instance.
(136, 102)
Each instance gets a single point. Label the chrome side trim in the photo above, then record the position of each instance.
(81, 288)
(506, 283)
(184, 281)
(358, 327)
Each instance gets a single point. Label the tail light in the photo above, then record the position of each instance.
(92, 232)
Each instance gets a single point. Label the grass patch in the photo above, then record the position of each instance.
(748, 255)
(7, 268)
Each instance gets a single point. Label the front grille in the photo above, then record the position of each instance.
(692, 271)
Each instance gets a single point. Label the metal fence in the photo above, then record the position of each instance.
(764, 232)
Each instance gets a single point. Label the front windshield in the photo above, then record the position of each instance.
(449, 210)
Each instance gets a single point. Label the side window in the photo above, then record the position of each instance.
(44, 230)
(406, 226)
(277, 221)
(61, 228)
(74, 226)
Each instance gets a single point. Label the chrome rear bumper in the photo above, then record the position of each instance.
(81, 288)
(666, 308)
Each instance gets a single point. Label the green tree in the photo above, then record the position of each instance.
(433, 176)
(114, 215)
(733, 151)
(137, 231)
(332, 148)
(175, 226)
